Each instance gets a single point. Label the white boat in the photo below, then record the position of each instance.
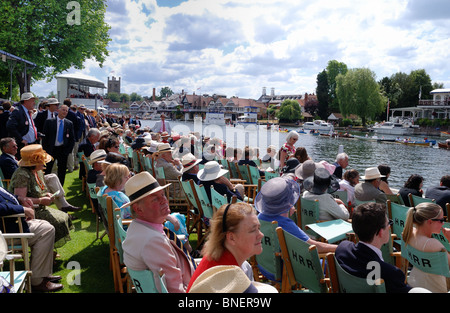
(390, 128)
(248, 118)
(318, 125)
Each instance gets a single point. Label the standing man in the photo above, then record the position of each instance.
(162, 126)
(44, 115)
(72, 162)
(20, 124)
(59, 141)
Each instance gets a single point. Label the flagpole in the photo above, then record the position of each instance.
(387, 113)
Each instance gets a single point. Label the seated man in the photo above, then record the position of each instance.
(440, 193)
(213, 175)
(172, 167)
(372, 226)
(8, 162)
(190, 167)
(319, 187)
(146, 246)
(341, 163)
(368, 190)
(41, 244)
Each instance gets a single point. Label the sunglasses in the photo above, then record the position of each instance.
(440, 220)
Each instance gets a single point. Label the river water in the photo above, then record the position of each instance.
(431, 163)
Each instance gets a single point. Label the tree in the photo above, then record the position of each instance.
(55, 35)
(165, 92)
(135, 97)
(334, 68)
(322, 92)
(359, 93)
(289, 111)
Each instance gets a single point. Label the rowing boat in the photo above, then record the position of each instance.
(443, 145)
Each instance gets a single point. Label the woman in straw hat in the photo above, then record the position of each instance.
(28, 181)
(233, 238)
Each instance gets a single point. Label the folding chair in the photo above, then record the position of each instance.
(344, 282)
(147, 282)
(397, 213)
(415, 200)
(94, 204)
(5, 182)
(302, 263)
(19, 279)
(307, 213)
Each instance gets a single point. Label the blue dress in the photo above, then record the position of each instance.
(120, 199)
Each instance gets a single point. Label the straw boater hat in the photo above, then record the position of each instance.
(228, 279)
(321, 182)
(189, 161)
(211, 171)
(140, 186)
(165, 147)
(277, 196)
(34, 155)
(97, 155)
(372, 173)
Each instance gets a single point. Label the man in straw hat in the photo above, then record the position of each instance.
(368, 189)
(20, 124)
(190, 167)
(147, 246)
(172, 167)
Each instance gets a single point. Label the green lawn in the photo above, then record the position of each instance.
(84, 252)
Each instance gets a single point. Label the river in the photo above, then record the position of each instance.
(431, 163)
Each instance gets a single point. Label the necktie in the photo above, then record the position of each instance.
(61, 131)
(164, 126)
(173, 237)
(32, 124)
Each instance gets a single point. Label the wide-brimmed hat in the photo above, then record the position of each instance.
(228, 279)
(277, 196)
(371, 173)
(27, 96)
(34, 155)
(97, 155)
(53, 101)
(307, 169)
(321, 182)
(164, 147)
(290, 166)
(211, 171)
(140, 186)
(189, 161)
(138, 143)
(113, 157)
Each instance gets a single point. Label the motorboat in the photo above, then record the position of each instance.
(319, 125)
(390, 128)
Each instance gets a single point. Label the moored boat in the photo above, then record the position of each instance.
(445, 134)
(318, 125)
(444, 145)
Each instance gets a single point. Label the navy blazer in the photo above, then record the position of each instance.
(50, 131)
(354, 258)
(17, 124)
(8, 207)
(8, 164)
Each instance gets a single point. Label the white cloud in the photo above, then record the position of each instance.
(238, 47)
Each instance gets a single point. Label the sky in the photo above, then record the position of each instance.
(235, 47)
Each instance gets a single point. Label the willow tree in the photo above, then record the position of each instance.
(290, 111)
(54, 34)
(359, 93)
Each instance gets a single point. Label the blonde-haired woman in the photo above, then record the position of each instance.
(234, 237)
(422, 221)
(116, 175)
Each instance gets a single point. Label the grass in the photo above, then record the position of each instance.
(84, 252)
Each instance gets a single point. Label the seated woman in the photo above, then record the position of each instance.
(384, 184)
(28, 181)
(116, 175)
(319, 187)
(233, 238)
(276, 202)
(213, 175)
(348, 183)
(413, 186)
(422, 222)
